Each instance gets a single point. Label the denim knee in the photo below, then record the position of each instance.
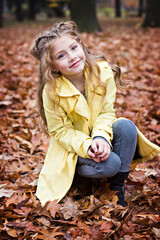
(125, 128)
(103, 169)
(111, 165)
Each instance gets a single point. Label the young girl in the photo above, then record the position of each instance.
(76, 96)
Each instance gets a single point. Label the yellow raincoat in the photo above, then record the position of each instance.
(72, 128)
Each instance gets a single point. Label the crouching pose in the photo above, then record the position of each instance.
(76, 96)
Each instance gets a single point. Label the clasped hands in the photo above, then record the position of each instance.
(99, 150)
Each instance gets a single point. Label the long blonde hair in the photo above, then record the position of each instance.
(42, 50)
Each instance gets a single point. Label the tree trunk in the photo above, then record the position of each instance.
(19, 13)
(117, 8)
(152, 18)
(1, 13)
(83, 12)
(10, 4)
(32, 9)
(59, 10)
(140, 10)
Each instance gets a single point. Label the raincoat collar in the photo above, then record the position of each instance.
(73, 98)
(65, 88)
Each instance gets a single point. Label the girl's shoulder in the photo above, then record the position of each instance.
(48, 92)
(102, 63)
(49, 95)
(105, 70)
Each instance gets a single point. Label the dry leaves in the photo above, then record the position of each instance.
(90, 212)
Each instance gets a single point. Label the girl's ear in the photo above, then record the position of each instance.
(55, 71)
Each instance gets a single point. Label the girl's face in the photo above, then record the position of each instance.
(68, 57)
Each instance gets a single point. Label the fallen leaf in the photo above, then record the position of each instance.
(6, 193)
(53, 207)
(69, 209)
(49, 235)
(156, 231)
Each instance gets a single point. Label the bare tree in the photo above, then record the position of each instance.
(118, 8)
(83, 12)
(1, 13)
(32, 9)
(152, 18)
(140, 9)
(19, 13)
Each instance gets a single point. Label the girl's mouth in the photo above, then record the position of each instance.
(75, 64)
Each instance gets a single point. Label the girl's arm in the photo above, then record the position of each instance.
(62, 129)
(103, 124)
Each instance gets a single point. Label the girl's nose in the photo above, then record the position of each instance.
(71, 56)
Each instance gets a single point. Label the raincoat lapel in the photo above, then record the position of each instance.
(71, 98)
(94, 99)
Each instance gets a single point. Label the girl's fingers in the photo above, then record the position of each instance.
(106, 152)
(91, 154)
(94, 146)
(105, 158)
(98, 160)
(99, 150)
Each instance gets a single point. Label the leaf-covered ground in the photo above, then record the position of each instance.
(89, 211)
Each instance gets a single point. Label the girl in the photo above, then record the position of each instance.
(76, 95)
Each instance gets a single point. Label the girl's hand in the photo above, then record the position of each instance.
(99, 150)
(93, 155)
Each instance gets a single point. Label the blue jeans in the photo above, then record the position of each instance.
(124, 147)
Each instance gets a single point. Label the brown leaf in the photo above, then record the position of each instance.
(69, 209)
(12, 233)
(94, 204)
(23, 211)
(6, 192)
(24, 142)
(49, 235)
(106, 227)
(53, 207)
(156, 231)
(44, 221)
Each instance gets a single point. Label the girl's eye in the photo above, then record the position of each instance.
(74, 47)
(60, 55)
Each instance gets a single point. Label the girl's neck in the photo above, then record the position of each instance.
(78, 82)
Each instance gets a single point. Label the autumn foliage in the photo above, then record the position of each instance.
(89, 211)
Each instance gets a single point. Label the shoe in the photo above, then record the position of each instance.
(117, 184)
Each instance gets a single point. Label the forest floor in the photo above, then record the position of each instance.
(88, 212)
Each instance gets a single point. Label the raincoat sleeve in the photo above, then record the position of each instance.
(62, 130)
(103, 124)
